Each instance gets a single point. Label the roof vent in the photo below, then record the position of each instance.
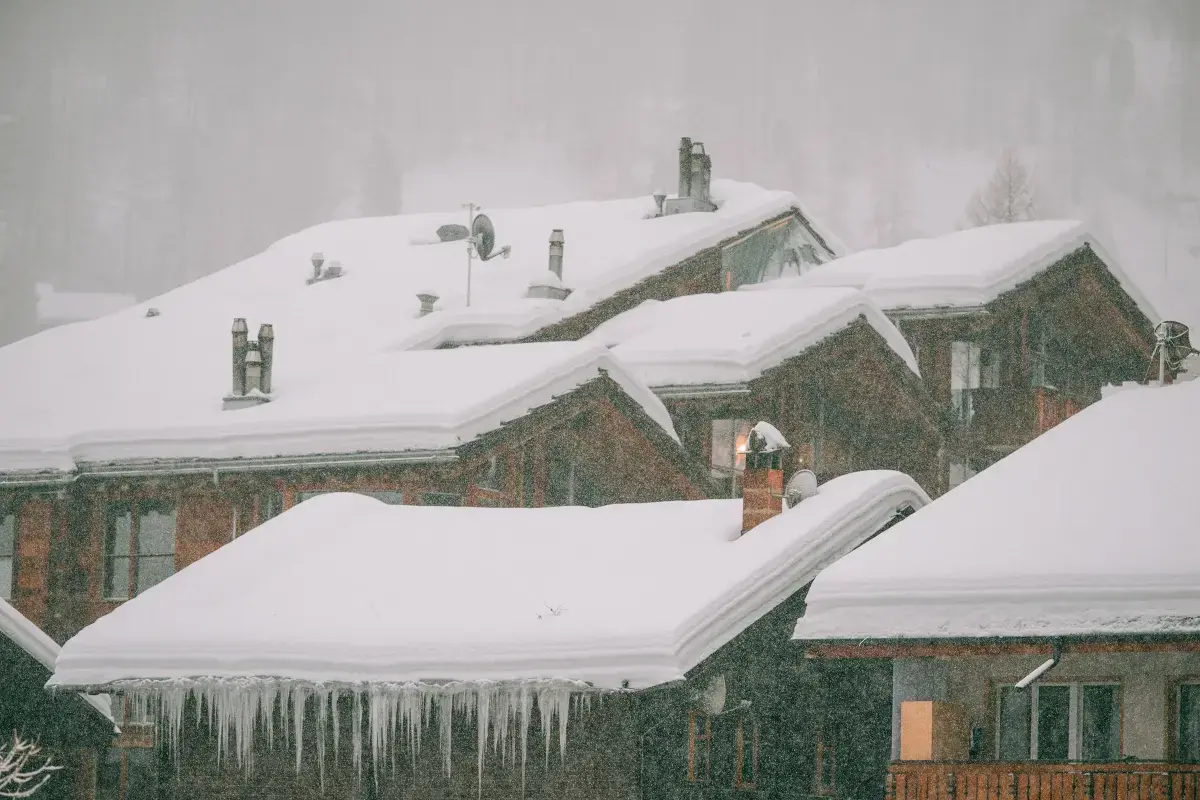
(695, 180)
(802, 486)
(548, 285)
(253, 362)
(333, 270)
(428, 299)
(152, 312)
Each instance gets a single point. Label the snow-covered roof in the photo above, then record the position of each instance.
(1088, 529)
(732, 337)
(160, 378)
(965, 269)
(54, 307)
(399, 402)
(466, 594)
(17, 628)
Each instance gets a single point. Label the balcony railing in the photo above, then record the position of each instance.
(1036, 780)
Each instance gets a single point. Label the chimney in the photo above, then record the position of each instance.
(240, 340)
(427, 300)
(762, 480)
(317, 260)
(659, 199)
(253, 370)
(685, 167)
(701, 173)
(556, 252)
(266, 348)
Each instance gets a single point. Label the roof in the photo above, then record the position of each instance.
(965, 269)
(57, 307)
(1105, 546)
(408, 402)
(533, 593)
(732, 337)
(156, 382)
(33, 640)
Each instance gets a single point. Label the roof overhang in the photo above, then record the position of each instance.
(690, 392)
(1000, 646)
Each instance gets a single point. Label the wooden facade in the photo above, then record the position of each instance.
(590, 447)
(1043, 781)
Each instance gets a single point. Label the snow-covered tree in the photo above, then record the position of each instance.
(22, 772)
(1007, 197)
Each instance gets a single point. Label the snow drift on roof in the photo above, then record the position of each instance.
(733, 337)
(413, 593)
(1090, 528)
(964, 269)
(387, 402)
(17, 628)
(56, 307)
(129, 371)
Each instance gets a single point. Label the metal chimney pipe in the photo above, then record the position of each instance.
(659, 199)
(556, 252)
(317, 260)
(266, 348)
(240, 345)
(685, 167)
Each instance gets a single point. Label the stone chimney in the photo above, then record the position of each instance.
(762, 480)
(252, 366)
(241, 338)
(266, 349)
(428, 299)
(695, 178)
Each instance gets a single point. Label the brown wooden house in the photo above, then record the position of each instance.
(1015, 327)
(1039, 639)
(825, 364)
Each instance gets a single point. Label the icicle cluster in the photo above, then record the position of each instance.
(393, 714)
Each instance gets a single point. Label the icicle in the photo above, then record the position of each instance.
(562, 701)
(337, 725)
(525, 710)
(483, 703)
(356, 734)
(543, 702)
(322, 722)
(445, 727)
(298, 705)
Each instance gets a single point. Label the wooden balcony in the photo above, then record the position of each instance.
(1036, 780)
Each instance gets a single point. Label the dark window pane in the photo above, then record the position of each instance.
(389, 497)
(494, 474)
(1053, 723)
(8, 534)
(1015, 707)
(6, 577)
(140, 774)
(559, 483)
(527, 491)
(118, 531)
(1189, 723)
(156, 530)
(108, 781)
(1100, 723)
(270, 506)
(116, 578)
(302, 496)
(440, 499)
(152, 570)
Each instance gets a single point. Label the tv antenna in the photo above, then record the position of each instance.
(481, 241)
(1171, 345)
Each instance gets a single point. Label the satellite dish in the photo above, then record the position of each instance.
(712, 699)
(453, 233)
(1173, 342)
(802, 486)
(484, 234)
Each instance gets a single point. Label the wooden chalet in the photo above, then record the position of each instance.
(824, 363)
(548, 683)
(1039, 639)
(73, 730)
(1015, 327)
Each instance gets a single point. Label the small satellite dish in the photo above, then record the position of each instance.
(712, 699)
(1173, 342)
(453, 233)
(802, 486)
(484, 234)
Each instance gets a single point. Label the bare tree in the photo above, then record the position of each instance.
(1008, 196)
(20, 773)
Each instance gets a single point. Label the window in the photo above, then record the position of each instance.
(560, 481)
(781, 250)
(1188, 714)
(139, 547)
(494, 475)
(699, 748)
(961, 468)
(441, 499)
(8, 555)
(728, 459)
(972, 367)
(1060, 722)
(389, 496)
(745, 772)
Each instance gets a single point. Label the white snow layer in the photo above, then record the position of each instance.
(531, 612)
(385, 402)
(963, 269)
(1088, 529)
(17, 628)
(733, 337)
(161, 378)
(56, 307)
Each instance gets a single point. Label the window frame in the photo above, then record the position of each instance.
(740, 750)
(137, 507)
(1176, 729)
(694, 740)
(1074, 717)
(733, 473)
(8, 515)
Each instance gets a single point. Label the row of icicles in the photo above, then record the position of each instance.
(237, 708)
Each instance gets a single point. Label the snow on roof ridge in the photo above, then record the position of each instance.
(724, 583)
(33, 640)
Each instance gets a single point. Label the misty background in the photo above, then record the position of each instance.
(145, 143)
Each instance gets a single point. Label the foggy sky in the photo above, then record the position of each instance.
(144, 143)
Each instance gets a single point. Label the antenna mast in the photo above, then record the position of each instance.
(470, 246)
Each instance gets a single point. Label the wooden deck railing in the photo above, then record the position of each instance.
(1033, 780)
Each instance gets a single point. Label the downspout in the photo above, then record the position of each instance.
(1045, 667)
